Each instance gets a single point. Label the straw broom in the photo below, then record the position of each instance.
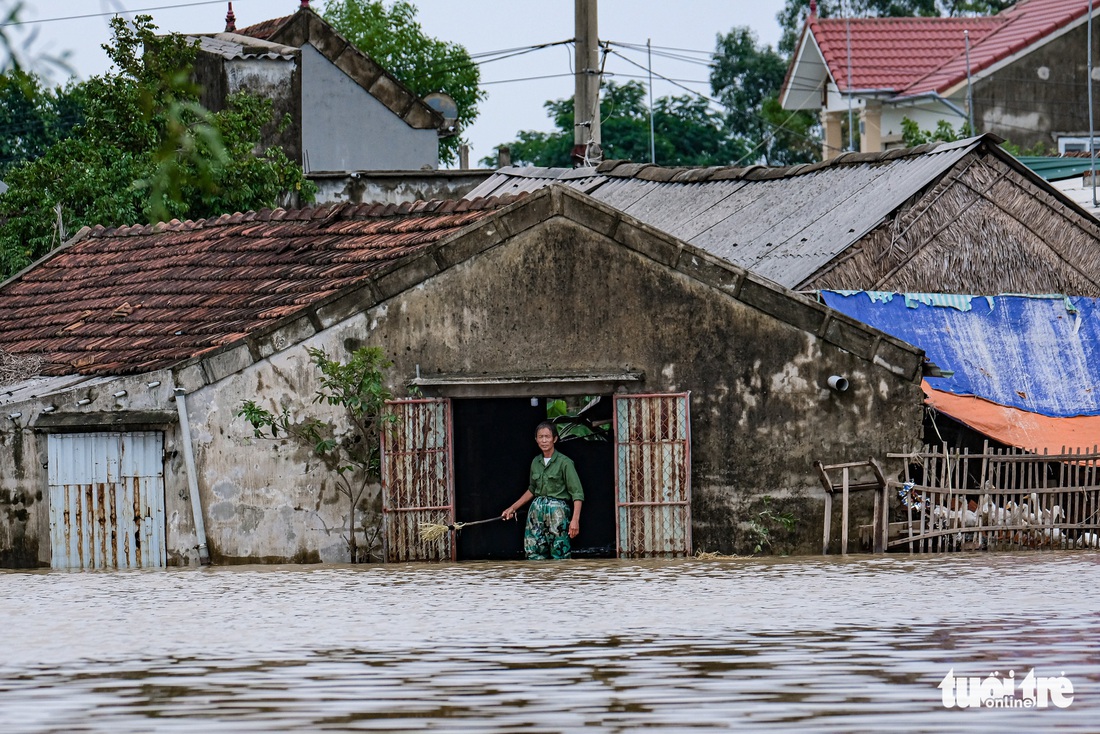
(430, 531)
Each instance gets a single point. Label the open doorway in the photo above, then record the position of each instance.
(494, 443)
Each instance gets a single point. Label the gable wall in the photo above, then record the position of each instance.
(344, 128)
(1018, 104)
(984, 229)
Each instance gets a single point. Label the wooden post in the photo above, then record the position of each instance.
(882, 509)
(828, 522)
(844, 514)
(876, 524)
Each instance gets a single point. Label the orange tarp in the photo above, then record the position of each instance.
(1015, 427)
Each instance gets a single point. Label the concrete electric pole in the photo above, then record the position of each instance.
(586, 98)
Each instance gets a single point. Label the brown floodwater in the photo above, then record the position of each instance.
(809, 644)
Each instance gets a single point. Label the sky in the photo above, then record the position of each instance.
(516, 98)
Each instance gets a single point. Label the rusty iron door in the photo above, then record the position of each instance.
(653, 476)
(107, 500)
(417, 479)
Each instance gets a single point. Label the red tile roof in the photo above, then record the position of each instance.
(892, 53)
(912, 56)
(264, 29)
(134, 299)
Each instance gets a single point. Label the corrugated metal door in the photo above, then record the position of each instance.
(653, 476)
(417, 479)
(107, 500)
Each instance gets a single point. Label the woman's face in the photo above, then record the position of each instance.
(545, 439)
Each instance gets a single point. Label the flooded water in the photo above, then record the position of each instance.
(772, 645)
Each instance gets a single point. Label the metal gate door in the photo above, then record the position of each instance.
(417, 479)
(652, 476)
(106, 500)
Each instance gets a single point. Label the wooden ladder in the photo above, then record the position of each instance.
(881, 524)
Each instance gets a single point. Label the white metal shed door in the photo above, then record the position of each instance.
(417, 479)
(653, 476)
(107, 500)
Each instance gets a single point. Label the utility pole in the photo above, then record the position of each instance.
(586, 97)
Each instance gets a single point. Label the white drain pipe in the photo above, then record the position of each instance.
(192, 475)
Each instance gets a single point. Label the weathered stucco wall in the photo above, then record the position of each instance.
(22, 497)
(276, 79)
(561, 298)
(24, 473)
(1041, 94)
(267, 500)
(344, 128)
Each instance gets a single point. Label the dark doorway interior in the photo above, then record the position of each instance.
(494, 442)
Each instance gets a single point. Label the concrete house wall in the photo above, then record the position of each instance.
(344, 128)
(24, 497)
(1053, 79)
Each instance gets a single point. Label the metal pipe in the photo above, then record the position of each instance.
(1092, 127)
(848, 33)
(192, 476)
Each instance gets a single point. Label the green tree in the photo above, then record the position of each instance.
(33, 116)
(351, 449)
(912, 135)
(145, 152)
(793, 15)
(747, 77)
(393, 38)
(686, 131)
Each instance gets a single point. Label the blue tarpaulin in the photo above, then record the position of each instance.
(1037, 353)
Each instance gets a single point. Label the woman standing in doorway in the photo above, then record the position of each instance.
(555, 514)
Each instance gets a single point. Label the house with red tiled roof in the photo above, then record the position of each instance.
(709, 389)
(1021, 74)
(345, 112)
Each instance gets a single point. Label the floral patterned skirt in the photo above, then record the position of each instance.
(547, 532)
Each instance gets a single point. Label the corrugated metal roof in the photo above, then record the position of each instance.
(140, 298)
(784, 227)
(1080, 192)
(1053, 168)
(234, 46)
(1040, 354)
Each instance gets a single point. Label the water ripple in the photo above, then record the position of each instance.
(856, 644)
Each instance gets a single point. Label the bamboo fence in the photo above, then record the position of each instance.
(999, 499)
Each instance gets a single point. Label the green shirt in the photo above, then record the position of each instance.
(558, 479)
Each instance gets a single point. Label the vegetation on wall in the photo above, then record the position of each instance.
(351, 448)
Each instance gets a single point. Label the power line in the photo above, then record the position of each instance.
(767, 122)
(526, 79)
(113, 12)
